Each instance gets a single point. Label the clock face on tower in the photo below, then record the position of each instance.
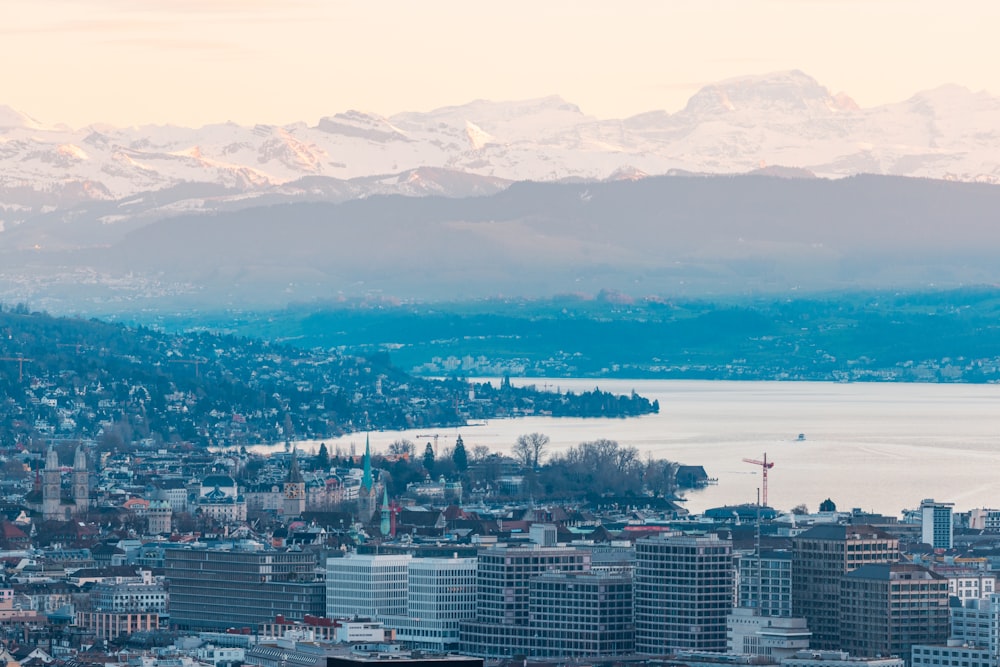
(293, 491)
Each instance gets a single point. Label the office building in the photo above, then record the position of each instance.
(936, 523)
(765, 582)
(370, 585)
(821, 556)
(887, 608)
(503, 581)
(581, 614)
(683, 593)
(441, 593)
(241, 587)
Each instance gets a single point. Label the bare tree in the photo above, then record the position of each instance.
(402, 448)
(530, 449)
(480, 453)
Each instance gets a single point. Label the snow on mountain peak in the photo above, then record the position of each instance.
(11, 118)
(478, 137)
(787, 89)
(732, 126)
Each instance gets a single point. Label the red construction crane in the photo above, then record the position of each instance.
(765, 465)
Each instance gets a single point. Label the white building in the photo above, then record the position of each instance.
(811, 658)
(936, 523)
(765, 582)
(954, 653)
(220, 498)
(776, 637)
(130, 597)
(441, 593)
(977, 623)
(370, 585)
(985, 519)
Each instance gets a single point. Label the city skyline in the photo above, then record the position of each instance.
(186, 63)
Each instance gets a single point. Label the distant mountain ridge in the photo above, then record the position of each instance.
(678, 235)
(734, 126)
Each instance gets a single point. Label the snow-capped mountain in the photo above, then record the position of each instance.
(734, 126)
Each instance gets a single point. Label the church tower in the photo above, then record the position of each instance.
(81, 482)
(386, 527)
(51, 492)
(366, 494)
(294, 502)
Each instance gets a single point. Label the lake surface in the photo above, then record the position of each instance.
(878, 446)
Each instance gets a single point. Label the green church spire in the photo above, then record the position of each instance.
(367, 482)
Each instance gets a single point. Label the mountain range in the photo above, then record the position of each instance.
(58, 175)
(767, 183)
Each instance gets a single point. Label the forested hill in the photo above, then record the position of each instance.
(75, 378)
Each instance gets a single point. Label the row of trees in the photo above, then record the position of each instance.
(591, 469)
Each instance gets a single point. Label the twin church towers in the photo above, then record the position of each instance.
(54, 506)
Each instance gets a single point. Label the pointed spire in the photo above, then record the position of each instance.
(367, 481)
(294, 474)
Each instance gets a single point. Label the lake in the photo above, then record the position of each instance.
(877, 446)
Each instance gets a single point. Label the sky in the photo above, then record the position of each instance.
(196, 62)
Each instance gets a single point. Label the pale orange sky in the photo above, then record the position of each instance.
(193, 62)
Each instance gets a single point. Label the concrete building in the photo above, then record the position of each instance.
(503, 583)
(977, 623)
(821, 556)
(441, 593)
(814, 658)
(985, 519)
(110, 625)
(774, 637)
(581, 615)
(952, 654)
(765, 582)
(683, 593)
(242, 586)
(936, 523)
(887, 608)
(371, 585)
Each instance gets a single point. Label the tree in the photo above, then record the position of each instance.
(480, 453)
(401, 448)
(800, 509)
(530, 449)
(323, 457)
(459, 456)
(429, 459)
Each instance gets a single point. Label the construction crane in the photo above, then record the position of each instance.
(435, 437)
(196, 363)
(765, 465)
(20, 365)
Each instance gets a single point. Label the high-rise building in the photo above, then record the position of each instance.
(936, 523)
(683, 593)
(369, 585)
(441, 593)
(821, 556)
(887, 608)
(214, 589)
(765, 582)
(503, 581)
(581, 614)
